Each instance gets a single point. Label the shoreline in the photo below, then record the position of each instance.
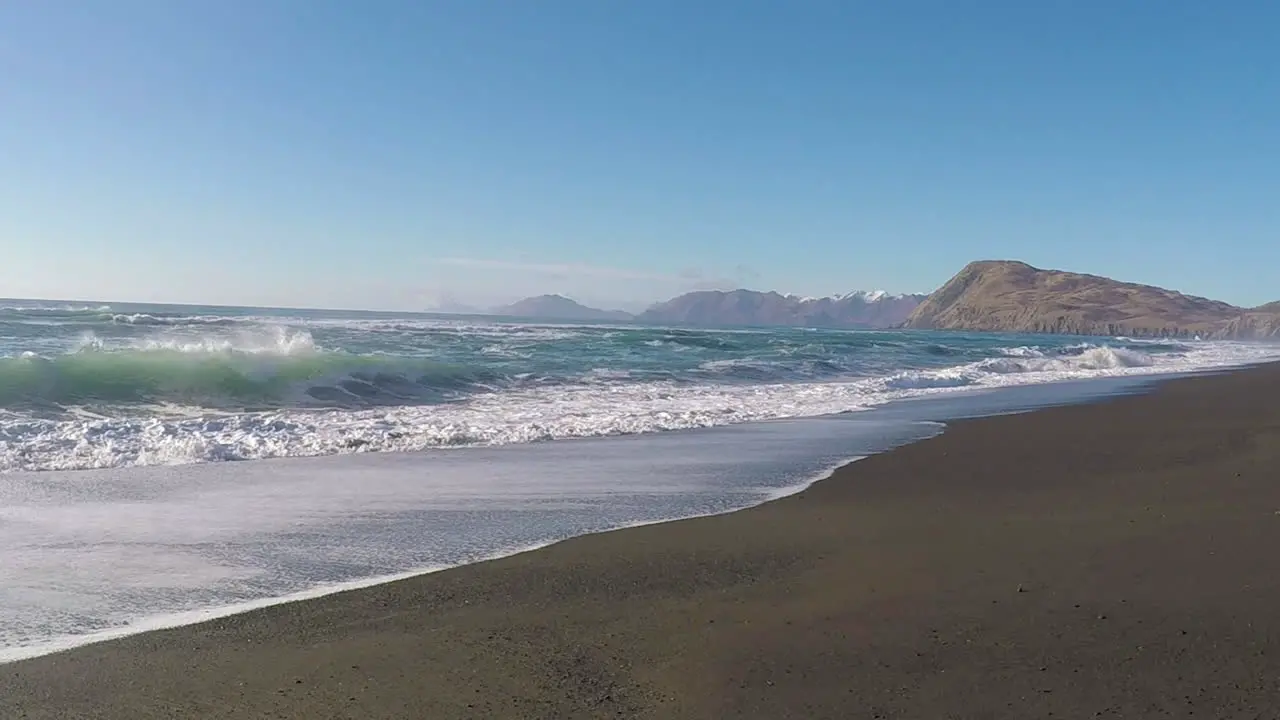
(195, 617)
(909, 569)
(1135, 384)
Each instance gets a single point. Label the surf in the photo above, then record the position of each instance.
(279, 369)
(92, 386)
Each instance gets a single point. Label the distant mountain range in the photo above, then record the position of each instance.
(989, 295)
(1008, 296)
(558, 307)
(748, 307)
(735, 308)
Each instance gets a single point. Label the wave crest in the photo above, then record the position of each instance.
(250, 370)
(272, 340)
(146, 319)
(1024, 360)
(1088, 358)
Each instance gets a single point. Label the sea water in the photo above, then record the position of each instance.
(101, 386)
(386, 444)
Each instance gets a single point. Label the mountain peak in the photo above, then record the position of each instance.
(867, 295)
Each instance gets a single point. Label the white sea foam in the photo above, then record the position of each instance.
(108, 553)
(934, 379)
(270, 340)
(147, 319)
(63, 308)
(539, 413)
(1021, 351)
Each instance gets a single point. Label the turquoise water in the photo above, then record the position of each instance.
(86, 385)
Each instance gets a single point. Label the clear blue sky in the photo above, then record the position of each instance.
(383, 153)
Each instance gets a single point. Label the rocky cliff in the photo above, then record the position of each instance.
(1016, 297)
(1261, 323)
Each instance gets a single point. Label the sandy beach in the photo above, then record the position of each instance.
(1115, 559)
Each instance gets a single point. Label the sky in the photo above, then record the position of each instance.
(397, 154)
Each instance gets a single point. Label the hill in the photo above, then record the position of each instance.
(1011, 296)
(558, 307)
(749, 307)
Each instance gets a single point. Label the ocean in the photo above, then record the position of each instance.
(115, 385)
(164, 464)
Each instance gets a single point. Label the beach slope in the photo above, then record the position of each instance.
(1108, 560)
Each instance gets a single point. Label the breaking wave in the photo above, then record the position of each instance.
(146, 319)
(85, 386)
(278, 369)
(1072, 361)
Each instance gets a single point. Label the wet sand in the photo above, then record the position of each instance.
(1119, 559)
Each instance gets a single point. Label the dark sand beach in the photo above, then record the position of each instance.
(1117, 560)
